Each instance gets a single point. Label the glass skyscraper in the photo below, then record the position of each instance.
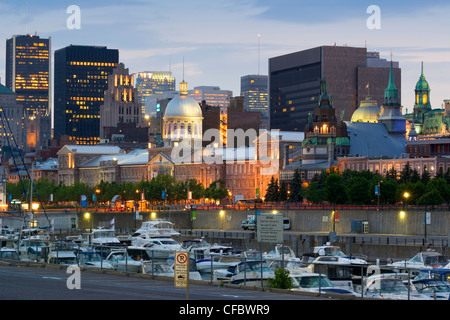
(254, 89)
(150, 83)
(28, 75)
(28, 72)
(81, 79)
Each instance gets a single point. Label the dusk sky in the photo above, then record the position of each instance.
(218, 40)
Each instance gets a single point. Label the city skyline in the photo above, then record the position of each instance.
(215, 44)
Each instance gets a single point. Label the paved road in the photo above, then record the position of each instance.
(31, 283)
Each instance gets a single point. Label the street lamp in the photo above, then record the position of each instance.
(406, 196)
(87, 216)
(222, 214)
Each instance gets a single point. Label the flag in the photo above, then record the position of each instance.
(111, 224)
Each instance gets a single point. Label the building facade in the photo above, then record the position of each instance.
(254, 89)
(212, 95)
(28, 74)
(150, 83)
(294, 82)
(120, 113)
(81, 79)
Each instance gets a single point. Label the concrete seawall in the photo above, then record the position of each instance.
(308, 228)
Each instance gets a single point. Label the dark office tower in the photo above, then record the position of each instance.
(254, 90)
(352, 74)
(28, 74)
(81, 79)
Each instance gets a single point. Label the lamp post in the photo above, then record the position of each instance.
(406, 196)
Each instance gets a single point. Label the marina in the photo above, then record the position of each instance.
(325, 269)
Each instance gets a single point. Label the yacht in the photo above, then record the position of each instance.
(223, 250)
(317, 283)
(121, 261)
(157, 247)
(212, 264)
(435, 289)
(423, 260)
(166, 269)
(251, 273)
(91, 259)
(155, 228)
(104, 237)
(333, 254)
(391, 286)
(198, 247)
(30, 249)
(281, 252)
(8, 253)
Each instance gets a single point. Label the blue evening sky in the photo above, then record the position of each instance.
(218, 40)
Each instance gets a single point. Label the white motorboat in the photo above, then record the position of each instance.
(211, 264)
(318, 283)
(121, 261)
(198, 247)
(104, 237)
(9, 254)
(281, 252)
(91, 259)
(62, 257)
(435, 289)
(166, 269)
(423, 260)
(391, 286)
(334, 254)
(30, 249)
(155, 228)
(155, 248)
(251, 273)
(223, 250)
(294, 267)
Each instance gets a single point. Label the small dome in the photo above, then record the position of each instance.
(183, 106)
(422, 84)
(368, 111)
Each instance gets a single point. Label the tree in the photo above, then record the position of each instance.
(281, 279)
(296, 188)
(272, 193)
(425, 176)
(283, 193)
(314, 193)
(432, 198)
(358, 190)
(334, 190)
(406, 173)
(216, 190)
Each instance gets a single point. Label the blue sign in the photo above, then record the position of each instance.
(163, 195)
(83, 201)
(377, 192)
(93, 197)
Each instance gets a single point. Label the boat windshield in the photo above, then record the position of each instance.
(169, 242)
(253, 266)
(91, 257)
(433, 286)
(313, 282)
(334, 252)
(104, 234)
(389, 286)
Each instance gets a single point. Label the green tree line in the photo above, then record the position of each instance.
(105, 191)
(354, 187)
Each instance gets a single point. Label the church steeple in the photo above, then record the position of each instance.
(422, 93)
(391, 96)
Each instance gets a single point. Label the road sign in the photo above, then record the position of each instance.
(181, 269)
(270, 228)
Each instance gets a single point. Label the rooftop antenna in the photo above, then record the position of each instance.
(259, 43)
(183, 69)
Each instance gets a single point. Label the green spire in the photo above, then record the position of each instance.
(391, 92)
(324, 99)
